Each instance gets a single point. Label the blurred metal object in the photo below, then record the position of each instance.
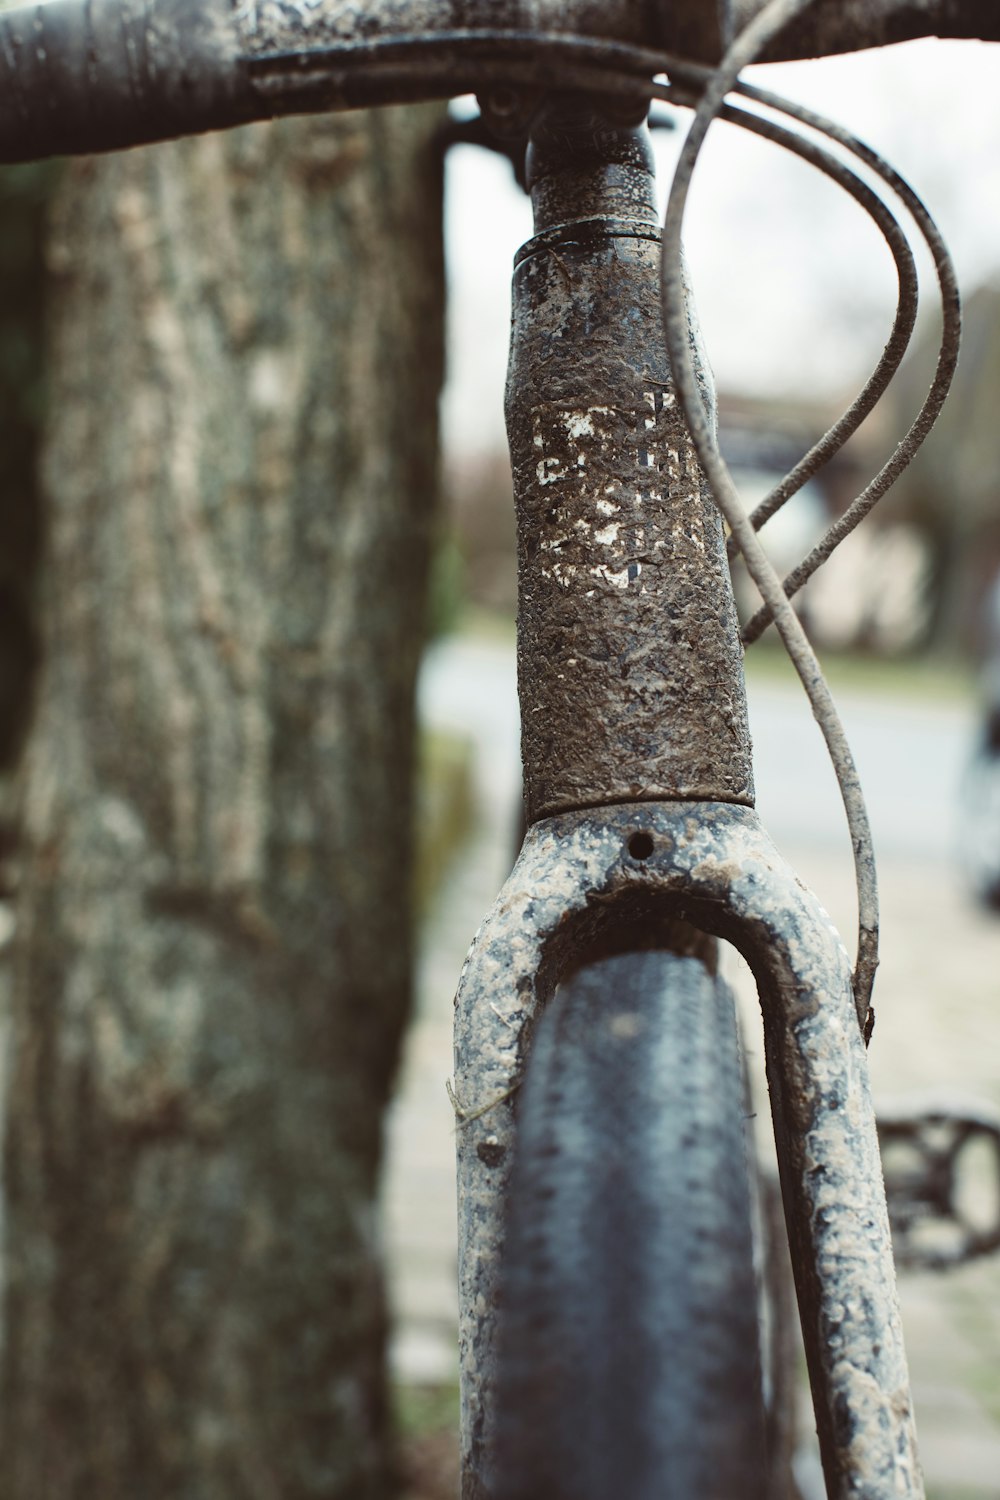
(942, 1177)
(979, 818)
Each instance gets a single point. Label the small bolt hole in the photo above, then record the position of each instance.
(504, 101)
(640, 846)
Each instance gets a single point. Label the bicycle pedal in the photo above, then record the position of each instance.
(942, 1180)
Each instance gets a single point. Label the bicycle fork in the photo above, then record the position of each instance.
(639, 795)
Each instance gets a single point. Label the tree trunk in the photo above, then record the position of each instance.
(212, 959)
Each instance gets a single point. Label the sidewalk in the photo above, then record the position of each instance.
(938, 1036)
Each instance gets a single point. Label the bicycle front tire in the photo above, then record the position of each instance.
(629, 1346)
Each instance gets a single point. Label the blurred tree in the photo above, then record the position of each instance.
(212, 955)
(951, 491)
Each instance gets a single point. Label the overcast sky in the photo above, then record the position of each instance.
(794, 286)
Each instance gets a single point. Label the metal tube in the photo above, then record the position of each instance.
(629, 663)
(79, 76)
(76, 78)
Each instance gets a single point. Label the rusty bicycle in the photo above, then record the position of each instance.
(610, 1325)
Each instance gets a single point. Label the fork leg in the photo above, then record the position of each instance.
(713, 865)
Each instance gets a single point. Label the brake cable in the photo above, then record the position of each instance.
(715, 85)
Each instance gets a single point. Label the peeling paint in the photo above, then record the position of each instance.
(618, 580)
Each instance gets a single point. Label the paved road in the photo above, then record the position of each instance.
(938, 1011)
(910, 758)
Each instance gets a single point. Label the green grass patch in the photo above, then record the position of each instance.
(423, 1409)
(931, 679)
(444, 809)
(984, 1382)
(426, 1422)
(959, 1492)
(482, 624)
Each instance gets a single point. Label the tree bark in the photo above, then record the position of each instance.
(212, 958)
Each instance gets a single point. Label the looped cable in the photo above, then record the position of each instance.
(906, 309)
(951, 328)
(748, 46)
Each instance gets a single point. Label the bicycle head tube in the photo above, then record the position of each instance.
(629, 660)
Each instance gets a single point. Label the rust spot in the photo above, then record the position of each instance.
(491, 1153)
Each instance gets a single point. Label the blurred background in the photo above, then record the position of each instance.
(796, 294)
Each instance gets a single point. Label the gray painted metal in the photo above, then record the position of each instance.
(712, 865)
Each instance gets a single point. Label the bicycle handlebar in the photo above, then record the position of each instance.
(78, 76)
